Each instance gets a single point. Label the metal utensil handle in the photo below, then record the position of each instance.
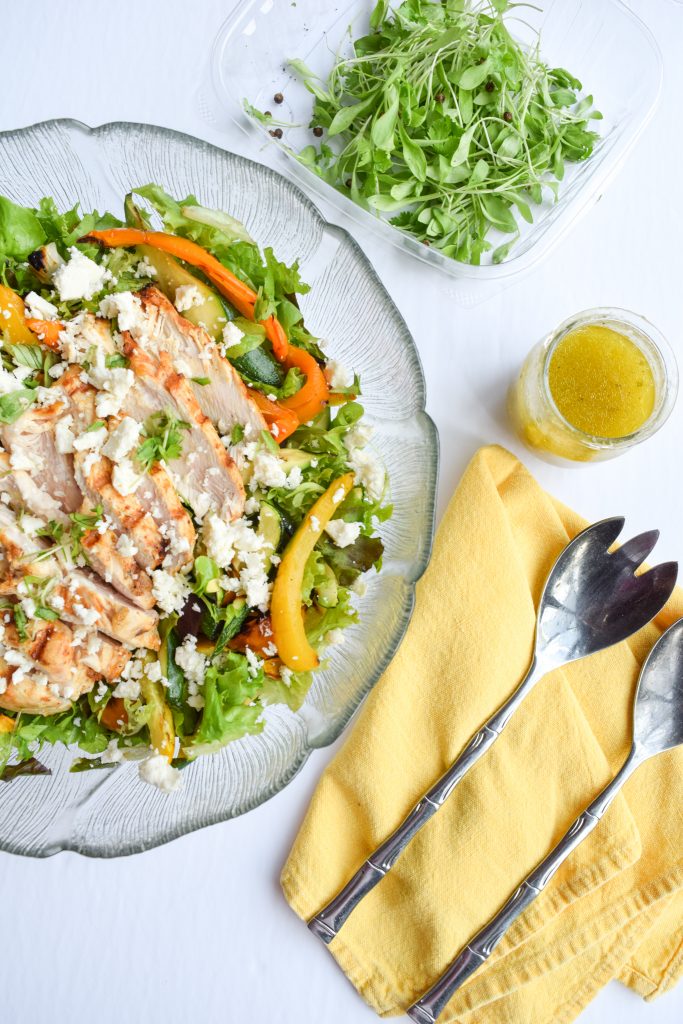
(429, 1006)
(330, 919)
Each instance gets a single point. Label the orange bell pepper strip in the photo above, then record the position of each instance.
(286, 615)
(314, 395)
(281, 422)
(114, 716)
(237, 292)
(47, 331)
(6, 723)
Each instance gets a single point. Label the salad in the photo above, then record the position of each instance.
(187, 499)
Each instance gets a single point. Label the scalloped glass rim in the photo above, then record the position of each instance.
(605, 36)
(110, 812)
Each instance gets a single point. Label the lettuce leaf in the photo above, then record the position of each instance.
(229, 690)
(20, 230)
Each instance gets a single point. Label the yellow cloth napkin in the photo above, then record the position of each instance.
(615, 908)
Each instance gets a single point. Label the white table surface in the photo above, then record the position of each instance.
(198, 930)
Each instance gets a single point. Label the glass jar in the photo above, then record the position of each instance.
(542, 426)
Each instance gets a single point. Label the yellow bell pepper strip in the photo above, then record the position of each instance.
(6, 724)
(13, 318)
(161, 728)
(310, 399)
(285, 606)
(237, 292)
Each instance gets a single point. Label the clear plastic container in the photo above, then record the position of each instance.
(602, 42)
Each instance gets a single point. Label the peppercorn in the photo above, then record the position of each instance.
(317, 131)
(489, 86)
(507, 116)
(440, 97)
(276, 133)
(425, 241)
(278, 97)
(267, 113)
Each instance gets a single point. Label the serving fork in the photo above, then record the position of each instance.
(657, 727)
(591, 600)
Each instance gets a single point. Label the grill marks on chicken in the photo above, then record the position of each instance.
(225, 398)
(204, 475)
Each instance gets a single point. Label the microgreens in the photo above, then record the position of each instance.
(443, 120)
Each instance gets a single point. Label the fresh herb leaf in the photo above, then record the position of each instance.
(163, 439)
(115, 361)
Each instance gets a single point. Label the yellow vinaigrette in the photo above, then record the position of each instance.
(601, 382)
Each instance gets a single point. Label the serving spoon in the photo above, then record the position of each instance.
(591, 600)
(657, 727)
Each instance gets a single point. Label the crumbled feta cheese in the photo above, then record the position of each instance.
(31, 524)
(29, 607)
(112, 754)
(128, 688)
(286, 675)
(112, 385)
(368, 472)
(253, 661)
(125, 478)
(56, 371)
(145, 268)
(268, 470)
(90, 440)
(187, 296)
(338, 495)
(88, 616)
(170, 592)
(232, 335)
(334, 637)
(125, 546)
(80, 277)
(127, 308)
(191, 661)
(337, 375)
(315, 524)
(343, 533)
(176, 546)
(358, 436)
(122, 439)
(157, 771)
(39, 308)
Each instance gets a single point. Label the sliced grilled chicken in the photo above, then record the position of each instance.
(117, 617)
(158, 495)
(127, 513)
(31, 440)
(21, 491)
(83, 333)
(205, 476)
(28, 694)
(94, 478)
(225, 399)
(55, 672)
(53, 492)
(51, 649)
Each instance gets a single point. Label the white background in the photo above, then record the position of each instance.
(198, 930)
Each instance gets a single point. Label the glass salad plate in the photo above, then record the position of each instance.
(111, 812)
(599, 41)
